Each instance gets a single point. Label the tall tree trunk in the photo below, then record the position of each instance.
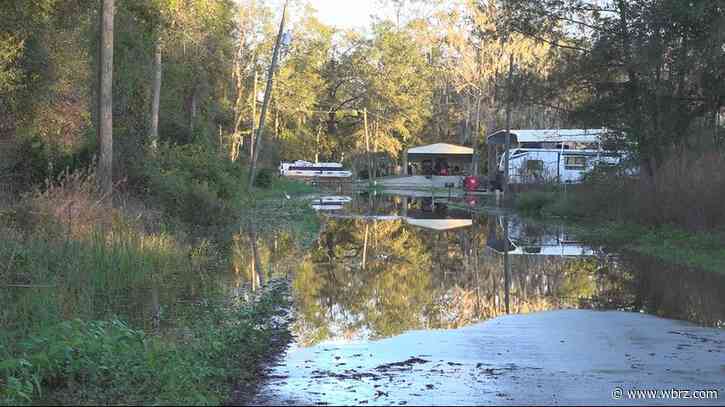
(105, 100)
(265, 103)
(508, 130)
(156, 96)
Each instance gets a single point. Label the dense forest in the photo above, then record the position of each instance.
(193, 72)
(139, 141)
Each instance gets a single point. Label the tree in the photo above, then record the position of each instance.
(651, 69)
(105, 99)
(398, 89)
(156, 95)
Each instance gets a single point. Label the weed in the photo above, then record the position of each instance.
(107, 362)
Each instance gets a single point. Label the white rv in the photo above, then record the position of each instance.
(563, 156)
(306, 169)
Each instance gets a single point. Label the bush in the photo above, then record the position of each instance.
(533, 202)
(192, 183)
(264, 178)
(688, 190)
(40, 160)
(70, 204)
(107, 362)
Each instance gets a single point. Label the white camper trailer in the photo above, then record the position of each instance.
(563, 156)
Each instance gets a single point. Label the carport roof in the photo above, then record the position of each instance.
(441, 149)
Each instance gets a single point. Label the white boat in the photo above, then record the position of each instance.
(306, 169)
(330, 203)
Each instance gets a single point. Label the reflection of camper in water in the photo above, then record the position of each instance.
(527, 239)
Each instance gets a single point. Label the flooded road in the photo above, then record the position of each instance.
(555, 357)
(414, 300)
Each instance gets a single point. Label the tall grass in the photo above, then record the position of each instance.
(675, 216)
(98, 307)
(687, 191)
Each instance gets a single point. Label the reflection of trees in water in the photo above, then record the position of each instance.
(414, 278)
(255, 257)
(337, 296)
(476, 291)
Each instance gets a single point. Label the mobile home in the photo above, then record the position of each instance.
(562, 155)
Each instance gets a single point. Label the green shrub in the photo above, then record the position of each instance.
(264, 178)
(533, 202)
(41, 160)
(194, 184)
(107, 362)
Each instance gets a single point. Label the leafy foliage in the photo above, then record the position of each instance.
(193, 184)
(102, 362)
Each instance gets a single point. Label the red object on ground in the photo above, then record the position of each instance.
(470, 183)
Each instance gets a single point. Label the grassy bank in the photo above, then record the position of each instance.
(134, 303)
(609, 219)
(703, 250)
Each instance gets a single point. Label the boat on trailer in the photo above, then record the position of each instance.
(306, 169)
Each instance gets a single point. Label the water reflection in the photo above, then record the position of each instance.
(330, 202)
(386, 265)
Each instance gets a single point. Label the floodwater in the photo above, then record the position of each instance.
(420, 300)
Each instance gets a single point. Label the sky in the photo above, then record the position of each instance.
(346, 13)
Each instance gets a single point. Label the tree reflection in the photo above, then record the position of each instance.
(375, 279)
(379, 279)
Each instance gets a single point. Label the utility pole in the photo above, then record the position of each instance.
(317, 141)
(265, 103)
(254, 116)
(508, 128)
